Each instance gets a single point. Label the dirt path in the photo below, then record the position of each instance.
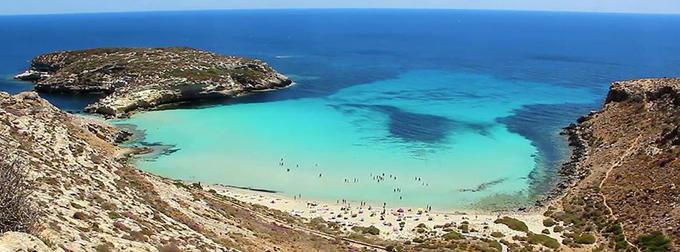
(618, 163)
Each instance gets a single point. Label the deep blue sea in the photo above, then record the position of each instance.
(450, 108)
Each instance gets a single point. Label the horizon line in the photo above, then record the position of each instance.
(338, 8)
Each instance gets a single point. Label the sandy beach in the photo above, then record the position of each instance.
(350, 214)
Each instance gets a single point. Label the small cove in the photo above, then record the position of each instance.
(470, 102)
(448, 152)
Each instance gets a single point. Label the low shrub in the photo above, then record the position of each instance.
(585, 238)
(495, 245)
(453, 235)
(497, 234)
(656, 241)
(544, 240)
(513, 224)
(549, 222)
(558, 229)
(114, 215)
(17, 212)
(366, 230)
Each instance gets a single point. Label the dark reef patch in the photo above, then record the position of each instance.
(541, 124)
(483, 186)
(416, 127)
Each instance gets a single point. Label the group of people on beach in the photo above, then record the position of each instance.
(380, 177)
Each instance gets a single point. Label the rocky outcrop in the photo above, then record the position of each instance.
(628, 167)
(90, 198)
(135, 79)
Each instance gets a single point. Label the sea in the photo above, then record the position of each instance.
(454, 109)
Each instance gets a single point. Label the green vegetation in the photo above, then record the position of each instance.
(367, 230)
(114, 215)
(585, 238)
(453, 235)
(246, 74)
(654, 242)
(76, 206)
(545, 231)
(549, 222)
(558, 229)
(544, 240)
(497, 234)
(495, 245)
(568, 218)
(17, 212)
(513, 224)
(616, 231)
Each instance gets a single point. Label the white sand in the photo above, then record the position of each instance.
(356, 215)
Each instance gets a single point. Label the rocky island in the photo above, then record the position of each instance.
(133, 79)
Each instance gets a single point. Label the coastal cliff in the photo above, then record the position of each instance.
(133, 79)
(627, 164)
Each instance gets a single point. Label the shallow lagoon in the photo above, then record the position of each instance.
(437, 126)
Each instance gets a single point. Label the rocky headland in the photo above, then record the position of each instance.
(133, 79)
(624, 177)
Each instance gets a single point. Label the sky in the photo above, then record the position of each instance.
(18, 7)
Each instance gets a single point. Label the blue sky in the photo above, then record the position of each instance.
(75, 6)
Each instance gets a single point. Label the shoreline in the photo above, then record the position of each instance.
(561, 185)
(353, 214)
(566, 179)
(570, 171)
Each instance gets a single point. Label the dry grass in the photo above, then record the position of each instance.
(17, 212)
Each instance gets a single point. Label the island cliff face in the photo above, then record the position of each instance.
(628, 159)
(145, 78)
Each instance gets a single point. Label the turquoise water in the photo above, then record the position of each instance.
(470, 102)
(348, 135)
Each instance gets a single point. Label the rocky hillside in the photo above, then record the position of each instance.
(145, 78)
(89, 199)
(629, 159)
